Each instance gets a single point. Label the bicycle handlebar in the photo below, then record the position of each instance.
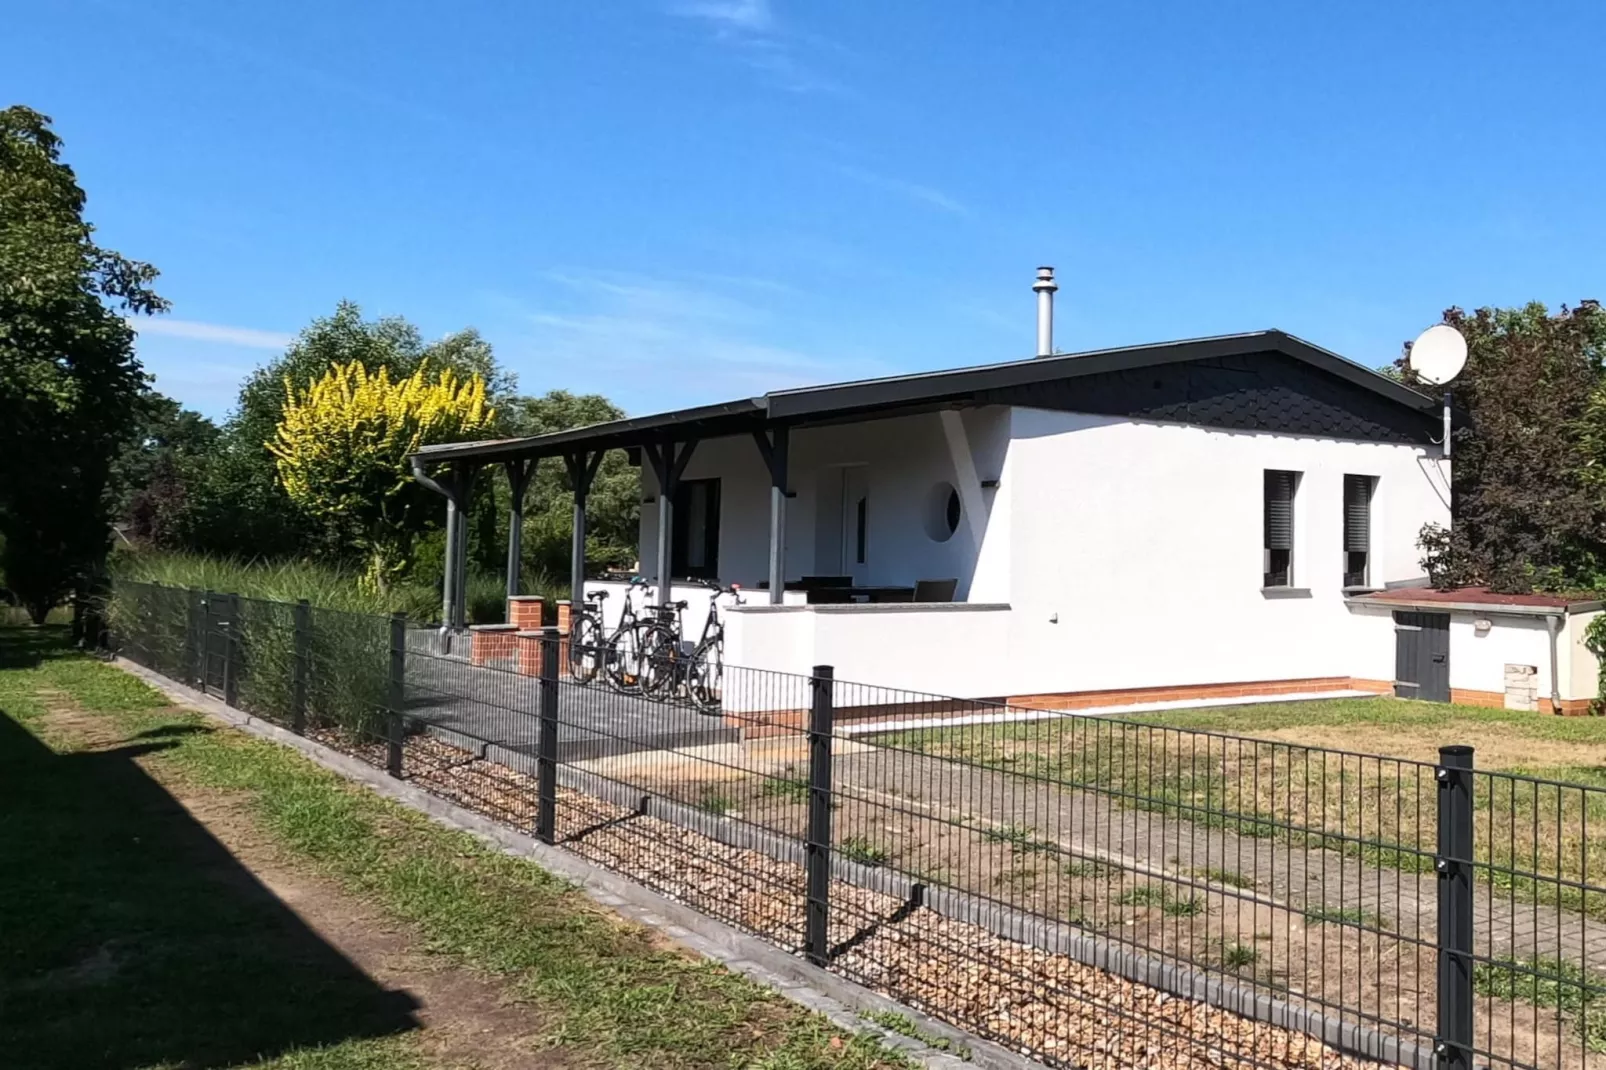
(719, 586)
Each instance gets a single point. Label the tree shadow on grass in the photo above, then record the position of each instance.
(131, 937)
(26, 646)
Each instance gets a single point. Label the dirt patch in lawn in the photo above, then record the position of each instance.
(465, 1019)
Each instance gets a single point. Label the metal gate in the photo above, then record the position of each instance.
(217, 645)
(1422, 655)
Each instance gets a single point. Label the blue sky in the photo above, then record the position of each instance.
(679, 201)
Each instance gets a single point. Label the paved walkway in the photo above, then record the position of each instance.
(495, 705)
(1300, 879)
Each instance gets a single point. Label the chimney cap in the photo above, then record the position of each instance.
(1045, 280)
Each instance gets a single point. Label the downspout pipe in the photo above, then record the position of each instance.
(1553, 623)
(449, 570)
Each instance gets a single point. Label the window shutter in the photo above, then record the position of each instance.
(1357, 514)
(1279, 510)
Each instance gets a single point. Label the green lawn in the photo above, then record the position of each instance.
(1359, 768)
(1449, 722)
(133, 939)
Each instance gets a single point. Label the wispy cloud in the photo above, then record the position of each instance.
(759, 39)
(658, 343)
(740, 16)
(220, 333)
(914, 191)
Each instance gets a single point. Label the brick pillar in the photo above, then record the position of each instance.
(524, 612)
(529, 653)
(565, 619)
(491, 642)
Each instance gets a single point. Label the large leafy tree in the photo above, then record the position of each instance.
(613, 509)
(342, 448)
(69, 381)
(1529, 505)
(237, 504)
(167, 453)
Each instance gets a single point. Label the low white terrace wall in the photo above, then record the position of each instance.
(953, 649)
(696, 598)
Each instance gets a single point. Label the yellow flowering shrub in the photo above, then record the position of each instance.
(342, 449)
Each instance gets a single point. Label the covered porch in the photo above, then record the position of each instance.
(820, 515)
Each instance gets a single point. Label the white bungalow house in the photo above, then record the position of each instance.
(1178, 521)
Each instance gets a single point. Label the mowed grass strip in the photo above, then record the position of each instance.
(130, 936)
(1350, 775)
(614, 994)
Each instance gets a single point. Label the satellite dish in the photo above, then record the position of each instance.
(1438, 354)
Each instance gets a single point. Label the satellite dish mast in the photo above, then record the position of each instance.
(1437, 356)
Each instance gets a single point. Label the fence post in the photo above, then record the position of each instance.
(298, 667)
(546, 747)
(817, 847)
(1454, 1039)
(394, 694)
(231, 651)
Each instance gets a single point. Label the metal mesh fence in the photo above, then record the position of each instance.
(1089, 891)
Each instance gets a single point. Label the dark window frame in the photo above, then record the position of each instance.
(1359, 491)
(861, 531)
(1279, 496)
(680, 530)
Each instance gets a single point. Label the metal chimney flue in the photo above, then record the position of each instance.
(1044, 288)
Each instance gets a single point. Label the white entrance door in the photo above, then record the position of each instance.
(856, 523)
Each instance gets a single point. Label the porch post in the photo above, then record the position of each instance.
(463, 476)
(449, 564)
(582, 470)
(775, 459)
(667, 466)
(519, 476)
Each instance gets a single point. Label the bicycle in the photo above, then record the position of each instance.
(622, 652)
(706, 672)
(586, 641)
(660, 649)
(677, 667)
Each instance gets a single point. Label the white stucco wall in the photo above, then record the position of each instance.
(1136, 552)
(1128, 552)
(1478, 660)
(1371, 643)
(881, 654)
(1581, 668)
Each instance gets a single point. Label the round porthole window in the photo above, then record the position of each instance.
(942, 512)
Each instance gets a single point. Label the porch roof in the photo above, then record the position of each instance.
(922, 391)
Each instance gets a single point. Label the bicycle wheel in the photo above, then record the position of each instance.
(585, 650)
(705, 676)
(623, 666)
(661, 660)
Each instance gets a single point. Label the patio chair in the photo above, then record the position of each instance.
(935, 590)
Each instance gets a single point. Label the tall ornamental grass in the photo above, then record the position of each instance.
(326, 586)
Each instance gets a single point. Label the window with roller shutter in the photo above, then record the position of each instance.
(1278, 556)
(1358, 491)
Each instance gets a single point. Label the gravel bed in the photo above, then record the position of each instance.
(1045, 1005)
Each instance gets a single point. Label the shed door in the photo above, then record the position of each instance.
(1422, 655)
